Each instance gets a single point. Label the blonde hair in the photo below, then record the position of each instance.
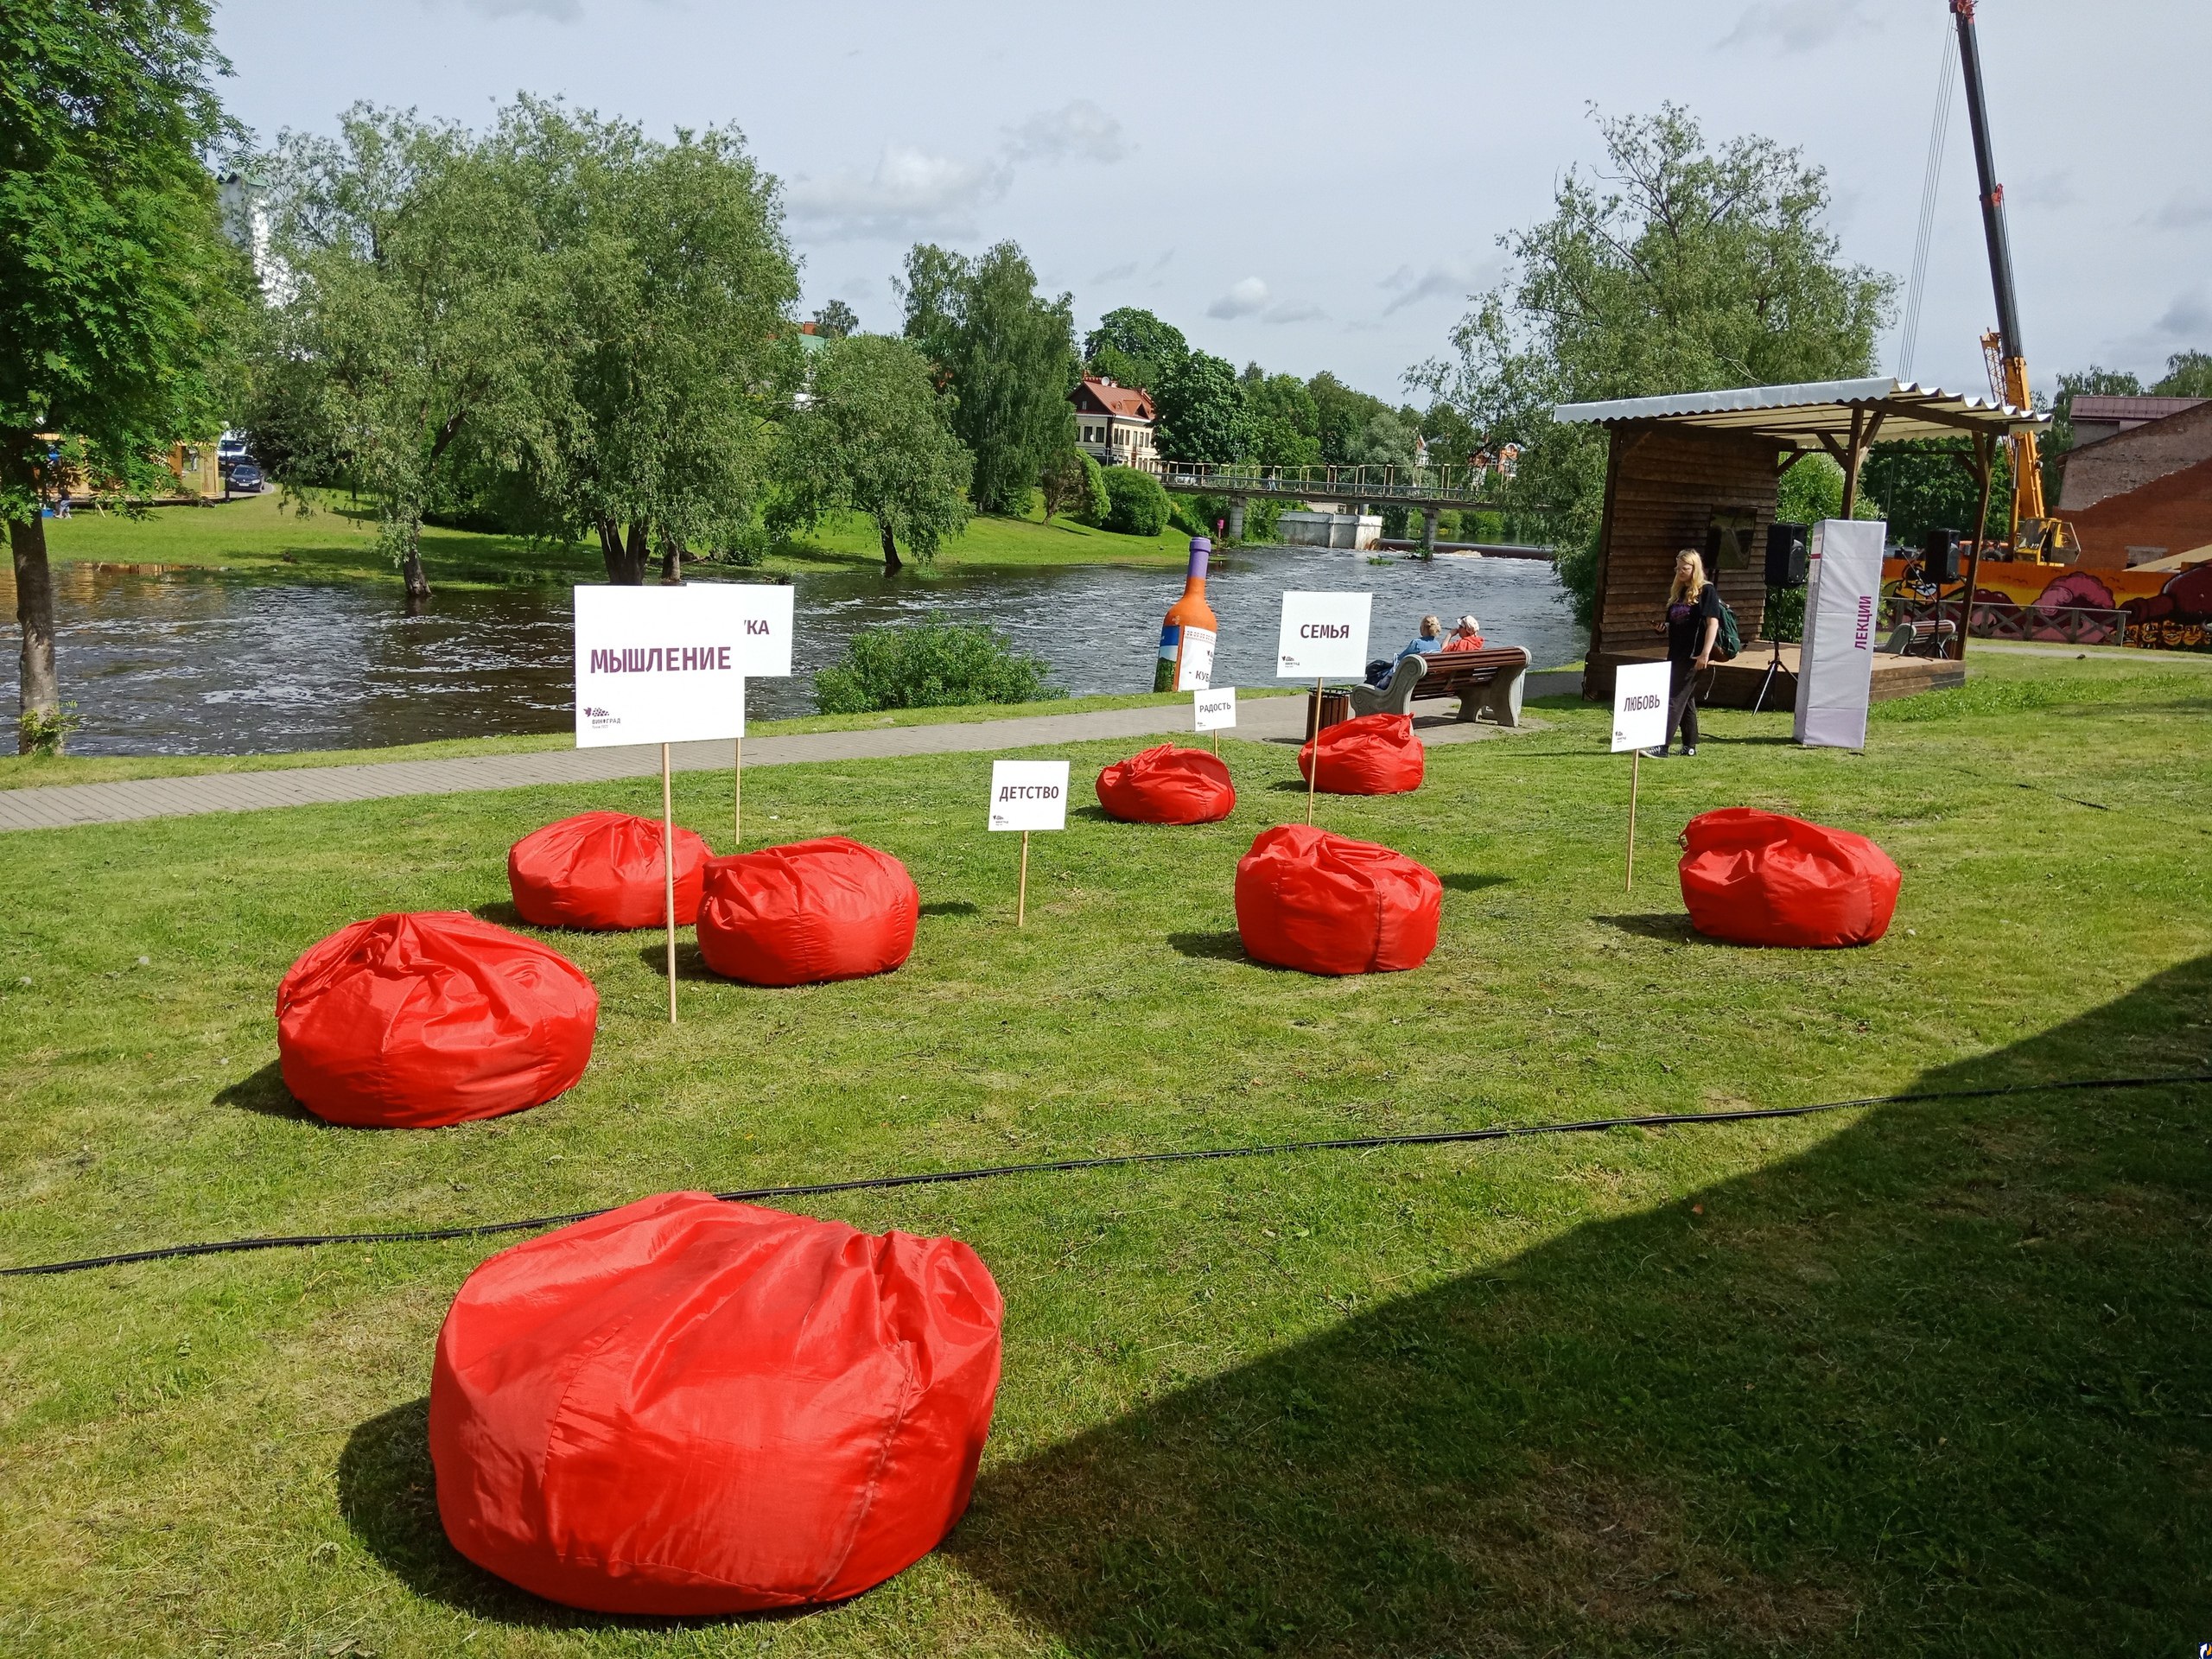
(1694, 583)
(1431, 622)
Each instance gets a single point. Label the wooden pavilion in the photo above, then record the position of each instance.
(1702, 470)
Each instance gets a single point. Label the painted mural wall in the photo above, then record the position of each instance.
(2164, 610)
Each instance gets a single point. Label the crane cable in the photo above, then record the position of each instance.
(1946, 82)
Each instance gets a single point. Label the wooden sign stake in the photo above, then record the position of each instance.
(668, 867)
(1021, 900)
(737, 797)
(1635, 756)
(1313, 769)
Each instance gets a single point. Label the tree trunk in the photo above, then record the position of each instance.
(42, 697)
(625, 556)
(672, 561)
(411, 567)
(891, 565)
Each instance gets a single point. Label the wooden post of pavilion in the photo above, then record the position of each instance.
(1984, 468)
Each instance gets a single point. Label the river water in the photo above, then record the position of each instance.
(189, 664)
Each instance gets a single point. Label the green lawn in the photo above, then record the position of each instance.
(1920, 1379)
(260, 537)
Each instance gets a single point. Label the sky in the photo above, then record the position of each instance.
(1317, 186)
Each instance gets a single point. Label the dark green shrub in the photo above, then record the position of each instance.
(931, 665)
(1136, 504)
(1096, 507)
(1785, 614)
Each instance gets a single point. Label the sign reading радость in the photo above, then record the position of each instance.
(1322, 634)
(669, 665)
(1029, 794)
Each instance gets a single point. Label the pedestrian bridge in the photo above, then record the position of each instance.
(1406, 486)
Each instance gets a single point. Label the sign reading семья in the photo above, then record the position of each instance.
(669, 665)
(1322, 634)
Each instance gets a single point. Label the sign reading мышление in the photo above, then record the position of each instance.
(1029, 794)
(1322, 634)
(669, 665)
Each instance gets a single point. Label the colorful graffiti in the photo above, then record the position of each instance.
(2160, 610)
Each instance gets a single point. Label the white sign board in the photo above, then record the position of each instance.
(1194, 672)
(1322, 634)
(1215, 709)
(1843, 595)
(669, 665)
(1029, 794)
(1640, 694)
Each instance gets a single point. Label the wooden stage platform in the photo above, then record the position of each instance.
(1736, 684)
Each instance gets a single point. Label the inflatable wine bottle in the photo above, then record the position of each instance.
(1187, 637)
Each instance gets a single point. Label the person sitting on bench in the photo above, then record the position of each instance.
(1427, 643)
(1468, 636)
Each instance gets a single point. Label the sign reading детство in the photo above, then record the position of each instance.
(1029, 794)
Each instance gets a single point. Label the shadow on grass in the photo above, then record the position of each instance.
(1228, 946)
(502, 914)
(1468, 882)
(952, 907)
(1671, 926)
(689, 964)
(263, 1091)
(1937, 1384)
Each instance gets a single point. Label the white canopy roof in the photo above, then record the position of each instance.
(1800, 417)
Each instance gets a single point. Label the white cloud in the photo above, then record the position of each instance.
(2187, 210)
(1797, 25)
(1246, 299)
(1454, 281)
(911, 193)
(558, 11)
(1077, 131)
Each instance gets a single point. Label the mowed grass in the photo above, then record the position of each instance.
(265, 537)
(1917, 1378)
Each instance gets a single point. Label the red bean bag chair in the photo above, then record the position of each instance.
(603, 870)
(1329, 904)
(1376, 755)
(412, 1021)
(690, 1408)
(1761, 878)
(815, 910)
(1167, 786)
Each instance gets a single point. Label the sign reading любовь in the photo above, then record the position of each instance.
(669, 665)
(1029, 794)
(1322, 634)
(1640, 694)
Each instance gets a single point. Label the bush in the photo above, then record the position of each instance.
(1136, 504)
(931, 665)
(1785, 614)
(1096, 505)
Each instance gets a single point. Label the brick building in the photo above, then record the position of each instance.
(2145, 492)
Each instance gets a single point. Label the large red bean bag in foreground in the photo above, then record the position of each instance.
(686, 1407)
(815, 910)
(1376, 755)
(1167, 786)
(412, 1021)
(603, 870)
(1329, 904)
(1760, 878)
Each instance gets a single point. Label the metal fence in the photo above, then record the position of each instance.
(1441, 485)
(1996, 619)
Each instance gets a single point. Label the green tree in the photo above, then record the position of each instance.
(1008, 355)
(117, 290)
(675, 347)
(1340, 415)
(419, 320)
(1679, 268)
(1135, 504)
(1133, 347)
(2189, 374)
(874, 438)
(1282, 423)
(1073, 485)
(836, 319)
(1202, 413)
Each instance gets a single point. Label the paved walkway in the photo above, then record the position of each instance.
(1274, 719)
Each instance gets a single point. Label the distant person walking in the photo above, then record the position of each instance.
(1691, 623)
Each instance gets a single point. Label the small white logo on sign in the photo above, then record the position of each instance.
(1196, 672)
(1029, 794)
(1322, 634)
(1640, 706)
(1215, 709)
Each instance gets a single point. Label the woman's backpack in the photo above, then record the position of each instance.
(1730, 640)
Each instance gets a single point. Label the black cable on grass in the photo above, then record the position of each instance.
(1121, 1160)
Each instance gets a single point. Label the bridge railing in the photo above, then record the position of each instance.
(1474, 486)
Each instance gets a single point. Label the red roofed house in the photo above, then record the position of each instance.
(2143, 492)
(1114, 424)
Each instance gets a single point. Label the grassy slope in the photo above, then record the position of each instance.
(1929, 1378)
(259, 537)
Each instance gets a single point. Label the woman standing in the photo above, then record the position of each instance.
(1692, 622)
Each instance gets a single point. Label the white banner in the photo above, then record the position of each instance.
(1214, 709)
(1322, 634)
(1194, 670)
(669, 665)
(1029, 794)
(1640, 693)
(1843, 595)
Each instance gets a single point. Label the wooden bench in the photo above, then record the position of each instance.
(1488, 681)
(1921, 637)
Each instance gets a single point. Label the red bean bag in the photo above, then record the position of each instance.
(815, 910)
(1376, 755)
(412, 1021)
(1329, 904)
(690, 1408)
(1167, 786)
(603, 870)
(1761, 878)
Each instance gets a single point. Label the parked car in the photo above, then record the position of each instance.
(246, 476)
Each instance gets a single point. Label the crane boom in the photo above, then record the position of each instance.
(2031, 529)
